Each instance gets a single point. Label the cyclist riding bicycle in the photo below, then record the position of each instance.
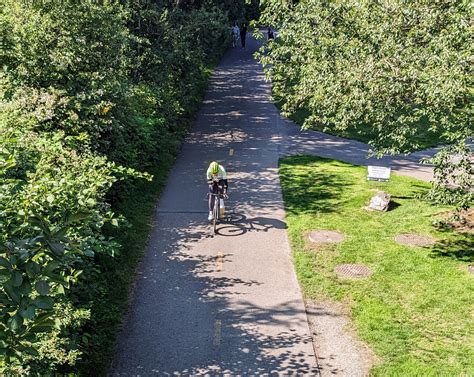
(217, 180)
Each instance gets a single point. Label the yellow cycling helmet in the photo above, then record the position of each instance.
(214, 167)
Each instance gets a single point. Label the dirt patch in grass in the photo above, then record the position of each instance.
(325, 236)
(323, 250)
(463, 222)
(413, 239)
(339, 352)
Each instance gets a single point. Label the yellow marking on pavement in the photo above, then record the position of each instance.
(219, 261)
(217, 333)
(231, 152)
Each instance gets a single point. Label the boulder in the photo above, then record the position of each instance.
(380, 201)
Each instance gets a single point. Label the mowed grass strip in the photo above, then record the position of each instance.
(417, 309)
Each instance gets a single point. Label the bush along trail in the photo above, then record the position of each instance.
(95, 100)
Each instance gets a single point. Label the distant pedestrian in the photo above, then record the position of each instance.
(235, 34)
(270, 34)
(243, 34)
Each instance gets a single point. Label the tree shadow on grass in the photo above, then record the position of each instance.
(314, 191)
(419, 190)
(461, 249)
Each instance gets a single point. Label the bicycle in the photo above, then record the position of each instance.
(217, 204)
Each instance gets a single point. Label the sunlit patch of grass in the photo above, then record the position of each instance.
(415, 311)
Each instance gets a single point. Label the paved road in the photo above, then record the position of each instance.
(229, 303)
(317, 143)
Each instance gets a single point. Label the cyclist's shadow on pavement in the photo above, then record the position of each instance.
(234, 224)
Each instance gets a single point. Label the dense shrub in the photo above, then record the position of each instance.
(53, 210)
(90, 93)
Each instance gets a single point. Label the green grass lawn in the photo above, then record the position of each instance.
(417, 309)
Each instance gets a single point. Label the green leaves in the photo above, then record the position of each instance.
(12, 292)
(15, 322)
(16, 279)
(29, 312)
(42, 287)
(43, 302)
(31, 351)
(5, 263)
(393, 73)
(78, 216)
(56, 247)
(32, 268)
(25, 288)
(87, 84)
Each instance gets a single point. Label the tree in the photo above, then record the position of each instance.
(393, 70)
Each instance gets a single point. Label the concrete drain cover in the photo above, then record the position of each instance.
(354, 271)
(411, 239)
(325, 236)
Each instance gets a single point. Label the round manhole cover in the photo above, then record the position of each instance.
(411, 239)
(325, 236)
(354, 271)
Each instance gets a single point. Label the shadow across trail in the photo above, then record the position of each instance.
(221, 304)
(187, 326)
(234, 224)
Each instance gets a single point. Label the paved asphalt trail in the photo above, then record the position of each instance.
(228, 303)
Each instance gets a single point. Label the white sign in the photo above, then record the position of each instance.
(378, 173)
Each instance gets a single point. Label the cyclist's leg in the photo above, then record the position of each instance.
(221, 186)
(211, 198)
(213, 189)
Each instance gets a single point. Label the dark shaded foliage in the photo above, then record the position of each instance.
(93, 95)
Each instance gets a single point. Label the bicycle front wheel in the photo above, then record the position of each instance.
(216, 214)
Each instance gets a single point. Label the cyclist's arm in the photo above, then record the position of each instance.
(223, 173)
